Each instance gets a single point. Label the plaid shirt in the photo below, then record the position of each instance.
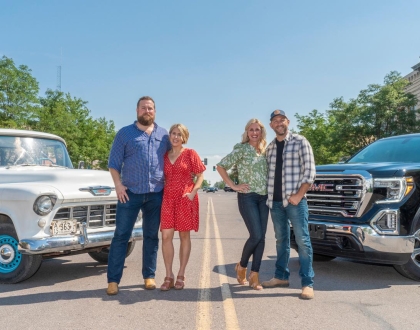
(298, 166)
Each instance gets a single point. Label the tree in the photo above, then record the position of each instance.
(18, 95)
(318, 128)
(378, 111)
(87, 139)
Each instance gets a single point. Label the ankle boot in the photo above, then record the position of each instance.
(254, 281)
(240, 274)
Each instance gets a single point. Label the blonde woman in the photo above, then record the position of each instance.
(180, 203)
(249, 158)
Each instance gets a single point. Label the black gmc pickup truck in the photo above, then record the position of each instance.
(368, 208)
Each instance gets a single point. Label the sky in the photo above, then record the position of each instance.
(211, 65)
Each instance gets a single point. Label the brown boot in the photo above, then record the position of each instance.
(112, 289)
(240, 274)
(254, 281)
(307, 293)
(149, 283)
(275, 282)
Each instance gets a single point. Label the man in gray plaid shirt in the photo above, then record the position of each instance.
(290, 175)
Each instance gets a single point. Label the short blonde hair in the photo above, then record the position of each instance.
(184, 132)
(263, 141)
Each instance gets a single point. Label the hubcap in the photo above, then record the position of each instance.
(10, 257)
(415, 256)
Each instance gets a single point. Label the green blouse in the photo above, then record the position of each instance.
(252, 167)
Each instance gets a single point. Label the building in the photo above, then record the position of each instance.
(414, 79)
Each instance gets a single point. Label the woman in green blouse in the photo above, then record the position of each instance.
(250, 161)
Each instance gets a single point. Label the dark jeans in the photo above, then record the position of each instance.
(298, 217)
(254, 211)
(150, 205)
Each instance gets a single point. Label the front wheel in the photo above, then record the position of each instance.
(102, 256)
(411, 269)
(14, 266)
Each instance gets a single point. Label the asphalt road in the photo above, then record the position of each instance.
(69, 292)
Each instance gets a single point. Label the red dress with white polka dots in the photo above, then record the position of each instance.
(179, 212)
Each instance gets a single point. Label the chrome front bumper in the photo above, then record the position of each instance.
(72, 242)
(371, 240)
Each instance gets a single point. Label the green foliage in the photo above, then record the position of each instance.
(378, 111)
(18, 95)
(58, 113)
(318, 128)
(87, 139)
(220, 184)
(205, 183)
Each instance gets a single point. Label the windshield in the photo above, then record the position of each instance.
(33, 151)
(404, 149)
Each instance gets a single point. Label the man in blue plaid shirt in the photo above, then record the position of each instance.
(291, 172)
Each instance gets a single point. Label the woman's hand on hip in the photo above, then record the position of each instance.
(190, 195)
(243, 187)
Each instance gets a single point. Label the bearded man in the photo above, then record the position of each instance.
(136, 166)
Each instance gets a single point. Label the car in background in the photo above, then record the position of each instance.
(211, 189)
(228, 189)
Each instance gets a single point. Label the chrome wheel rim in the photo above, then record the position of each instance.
(415, 256)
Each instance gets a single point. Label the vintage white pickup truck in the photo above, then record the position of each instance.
(49, 209)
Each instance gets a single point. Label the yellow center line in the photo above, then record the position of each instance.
(231, 318)
(203, 319)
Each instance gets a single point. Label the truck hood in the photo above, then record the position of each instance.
(376, 169)
(67, 181)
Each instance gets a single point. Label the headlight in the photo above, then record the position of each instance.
(393, 189)
(44, 204)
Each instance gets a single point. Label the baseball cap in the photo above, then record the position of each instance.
(277, 113)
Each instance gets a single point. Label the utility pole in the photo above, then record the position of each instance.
(59, 72)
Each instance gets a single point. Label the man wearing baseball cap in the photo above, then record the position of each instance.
(291, 172)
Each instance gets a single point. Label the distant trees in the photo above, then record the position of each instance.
(378, 111)
(58, 113)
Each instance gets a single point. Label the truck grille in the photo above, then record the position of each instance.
(94, 215)
(340, 196)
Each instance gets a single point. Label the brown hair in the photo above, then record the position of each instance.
(147, 98)
(184, 132)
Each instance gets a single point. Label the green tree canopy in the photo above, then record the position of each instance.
(18, 95)
(58, 113)
(378, 111)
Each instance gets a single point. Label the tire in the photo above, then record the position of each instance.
(102, 256)
(14, 266)
(411, 269)
(322, 258)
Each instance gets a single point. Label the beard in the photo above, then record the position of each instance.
(146, 119)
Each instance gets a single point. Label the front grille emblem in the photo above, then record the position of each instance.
(98, 190)
(322, 187)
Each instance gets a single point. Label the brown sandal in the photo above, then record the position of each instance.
(240, 274)
(167, 284)
(179, 284)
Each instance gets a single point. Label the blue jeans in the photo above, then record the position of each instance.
(150, 205)
(298, 216)
(254, 211)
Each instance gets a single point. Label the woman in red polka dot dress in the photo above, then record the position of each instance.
(180, 203)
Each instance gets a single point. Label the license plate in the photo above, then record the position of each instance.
(317, 231)
(63, 227)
